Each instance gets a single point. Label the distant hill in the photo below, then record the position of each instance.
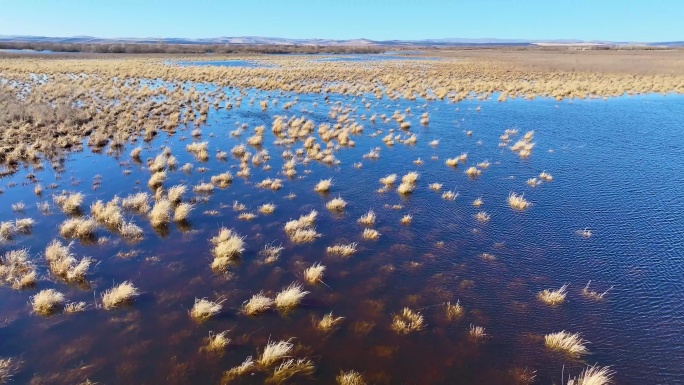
(271, 41)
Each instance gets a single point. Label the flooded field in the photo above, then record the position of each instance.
(504, 224)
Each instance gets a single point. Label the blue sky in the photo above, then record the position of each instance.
(623, 20)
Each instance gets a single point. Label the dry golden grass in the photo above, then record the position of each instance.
(406, 219)
(274, 352)
(314, 273)
(323, 185)
(246, 216)
(336, 204)
(139, 202)
(593, 375)
(482, 216)
(7, 368)
(17, 269)
(217, 342)
(222, 180)
(407, 321)
(74, 307)
(182, 212)
(203, 309)
(69, 202)
(344, 250)
(371, 234)
(568, 343)
(290, 368)
(290, 296)
(204, 188)
(119, 295)
(267, 208)
(47, 301)
(246, 367)
(478, 202)
(228, 246)
(453, 311)
(594, 294)
(82, 228)
(545, 176)
(367, 219)
(449, 195)
(518, 202)
(108, 214)
(327, 323)
(64, 264)
(259, 303)
(476, 332)
(156, 180)
(435, 186)
(175, 194)
(389, 180)
(350, 378)
(473, 172)
(160, 215)
(553, 297)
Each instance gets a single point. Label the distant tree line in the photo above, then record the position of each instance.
(134, 48)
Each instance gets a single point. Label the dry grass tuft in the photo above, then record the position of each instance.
(435, 186)
(406, 219)
(482, 216)
(328, 322)
(407, 321)
(389, 180)
(290, 296)
(7, 368)
(478, 202)
(518, 202)
(274, 352)
(323, 185)
(160, 215)
(267, 208)
(74, 307)
(182, 212)
(271, 253)
(545, 176)
(553, 297)
(222, 180)
(216, 342)
(453, 311)
(64, 264)
(203, 309)
(449, 195)
(336, 204)
(314, 273)
(246, 367)
(405, 188)
(291, 368)
(17, 269)
(175, 194)
(473, 172)
(204, 188)
(350, 378)
(593, 375)
(47, 301)
(476, 332)
(69, 202)
(259, 303)
(371, 234)
(130, 231)
(594, 294)
(246, 216)
(82, 228)
(156, 180)
(119, 295)
(108, 214)
(228, 245)
(139, 202)
(569, 343)
(367, 219)
(342, 250)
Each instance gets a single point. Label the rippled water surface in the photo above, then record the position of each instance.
(618, 169)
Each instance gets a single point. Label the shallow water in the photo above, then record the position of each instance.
(617, 168)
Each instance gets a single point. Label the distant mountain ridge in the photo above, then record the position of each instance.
(258, 40)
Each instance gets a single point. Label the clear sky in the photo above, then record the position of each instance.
(616, 20)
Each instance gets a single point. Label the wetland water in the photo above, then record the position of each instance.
(617, 166)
